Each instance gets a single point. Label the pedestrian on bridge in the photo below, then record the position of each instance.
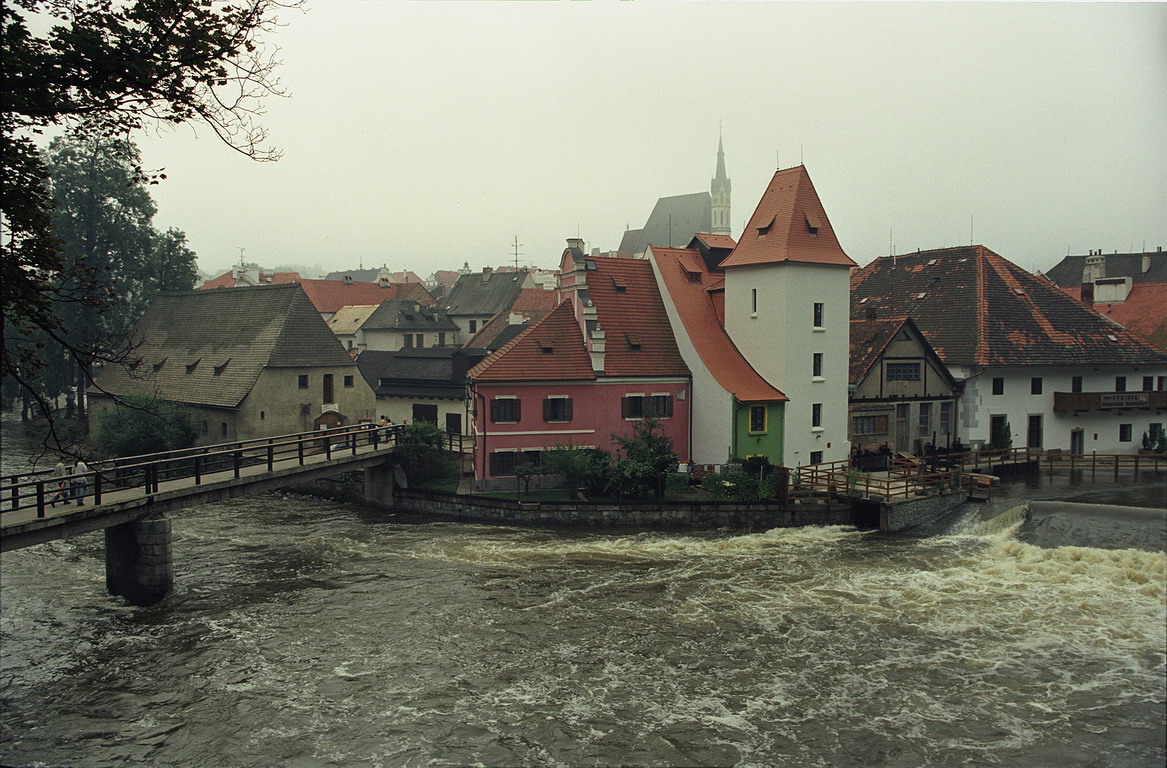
(80, 481)
(59, 475)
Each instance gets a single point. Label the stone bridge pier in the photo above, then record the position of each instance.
(139, 562)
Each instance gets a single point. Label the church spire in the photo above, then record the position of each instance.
(719, 192)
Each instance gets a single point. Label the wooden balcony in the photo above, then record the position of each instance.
(1080, 402)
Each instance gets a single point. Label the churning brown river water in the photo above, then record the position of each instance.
(310, 633)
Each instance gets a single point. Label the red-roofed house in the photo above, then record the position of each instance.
(1038, 368)
(602, 360)
(244, 276)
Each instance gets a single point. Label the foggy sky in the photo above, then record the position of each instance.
(425, 135)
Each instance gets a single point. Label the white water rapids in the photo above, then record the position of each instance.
(309, 633)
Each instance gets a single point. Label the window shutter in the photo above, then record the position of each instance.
(494, 464)
(518, 409)
(548, 413)
(567, 409)
(668, 406)
(625, 407)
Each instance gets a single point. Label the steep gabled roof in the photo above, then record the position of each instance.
(406, 315)
(870, 337)
(976, 308)
(638, 338)
(789, 224)
(692, 289)
(484, 293)
(551, 349)
(209, 347)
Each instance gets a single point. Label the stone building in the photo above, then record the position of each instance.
(252, 362)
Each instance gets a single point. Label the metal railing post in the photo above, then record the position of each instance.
(40, 498)
(300, 450)
(237, 460)
(198, 470)
(96, 488)
(271, 457)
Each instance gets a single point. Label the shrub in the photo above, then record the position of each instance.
(420, 452)
(141, 424)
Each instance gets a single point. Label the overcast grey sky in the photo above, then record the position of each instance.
(422, 135)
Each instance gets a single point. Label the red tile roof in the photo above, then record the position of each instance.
(701, 317)
(976, 308)
(1144, 311)
(330, 295)
(228, 280)
(552, 349)
(532, 304)
(716, 241)
(627, 301)
(789, 224)
(869, 338)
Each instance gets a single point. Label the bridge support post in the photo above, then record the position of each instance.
(379, 481)
(138, 560)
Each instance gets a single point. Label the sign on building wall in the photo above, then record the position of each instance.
(1124, 400)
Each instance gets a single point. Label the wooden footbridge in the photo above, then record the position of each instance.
(129, 497)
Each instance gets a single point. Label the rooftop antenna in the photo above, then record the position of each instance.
(800, 158)
(517, 246)
(241, 256)
(970, 229)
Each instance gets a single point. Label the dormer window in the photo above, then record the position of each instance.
(547, 347)
(764, 229)
(158, 365)
(813, 225)
(220, 368)
(191, 368)
(633, 340)
(619, 285)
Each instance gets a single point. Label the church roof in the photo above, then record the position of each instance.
(789, 225)
(673, 222)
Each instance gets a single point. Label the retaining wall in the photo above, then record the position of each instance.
(747, 516)
(927, 509)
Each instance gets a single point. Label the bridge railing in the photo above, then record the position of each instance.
(42, 491)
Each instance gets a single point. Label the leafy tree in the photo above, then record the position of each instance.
(102, 70)
(580, 467)
(421, 452)
(647, 461)
(140, 424)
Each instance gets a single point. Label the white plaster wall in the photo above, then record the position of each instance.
(779, 340)
(710, 404)
(1100, 428)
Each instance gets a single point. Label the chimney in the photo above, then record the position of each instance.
(576, 243)
(348, 280)
(1146, 266)
(596, 348)
(486, 273)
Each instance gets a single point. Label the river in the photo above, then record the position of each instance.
(304, 633)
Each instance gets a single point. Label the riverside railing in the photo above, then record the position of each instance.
(42, 491)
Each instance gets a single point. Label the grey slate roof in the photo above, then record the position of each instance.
(672, 223)
(1068, 272)
(406, 315)
(432, 372)
(209, 347)
(474, 295)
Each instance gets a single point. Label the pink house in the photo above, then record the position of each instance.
(602, 360)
